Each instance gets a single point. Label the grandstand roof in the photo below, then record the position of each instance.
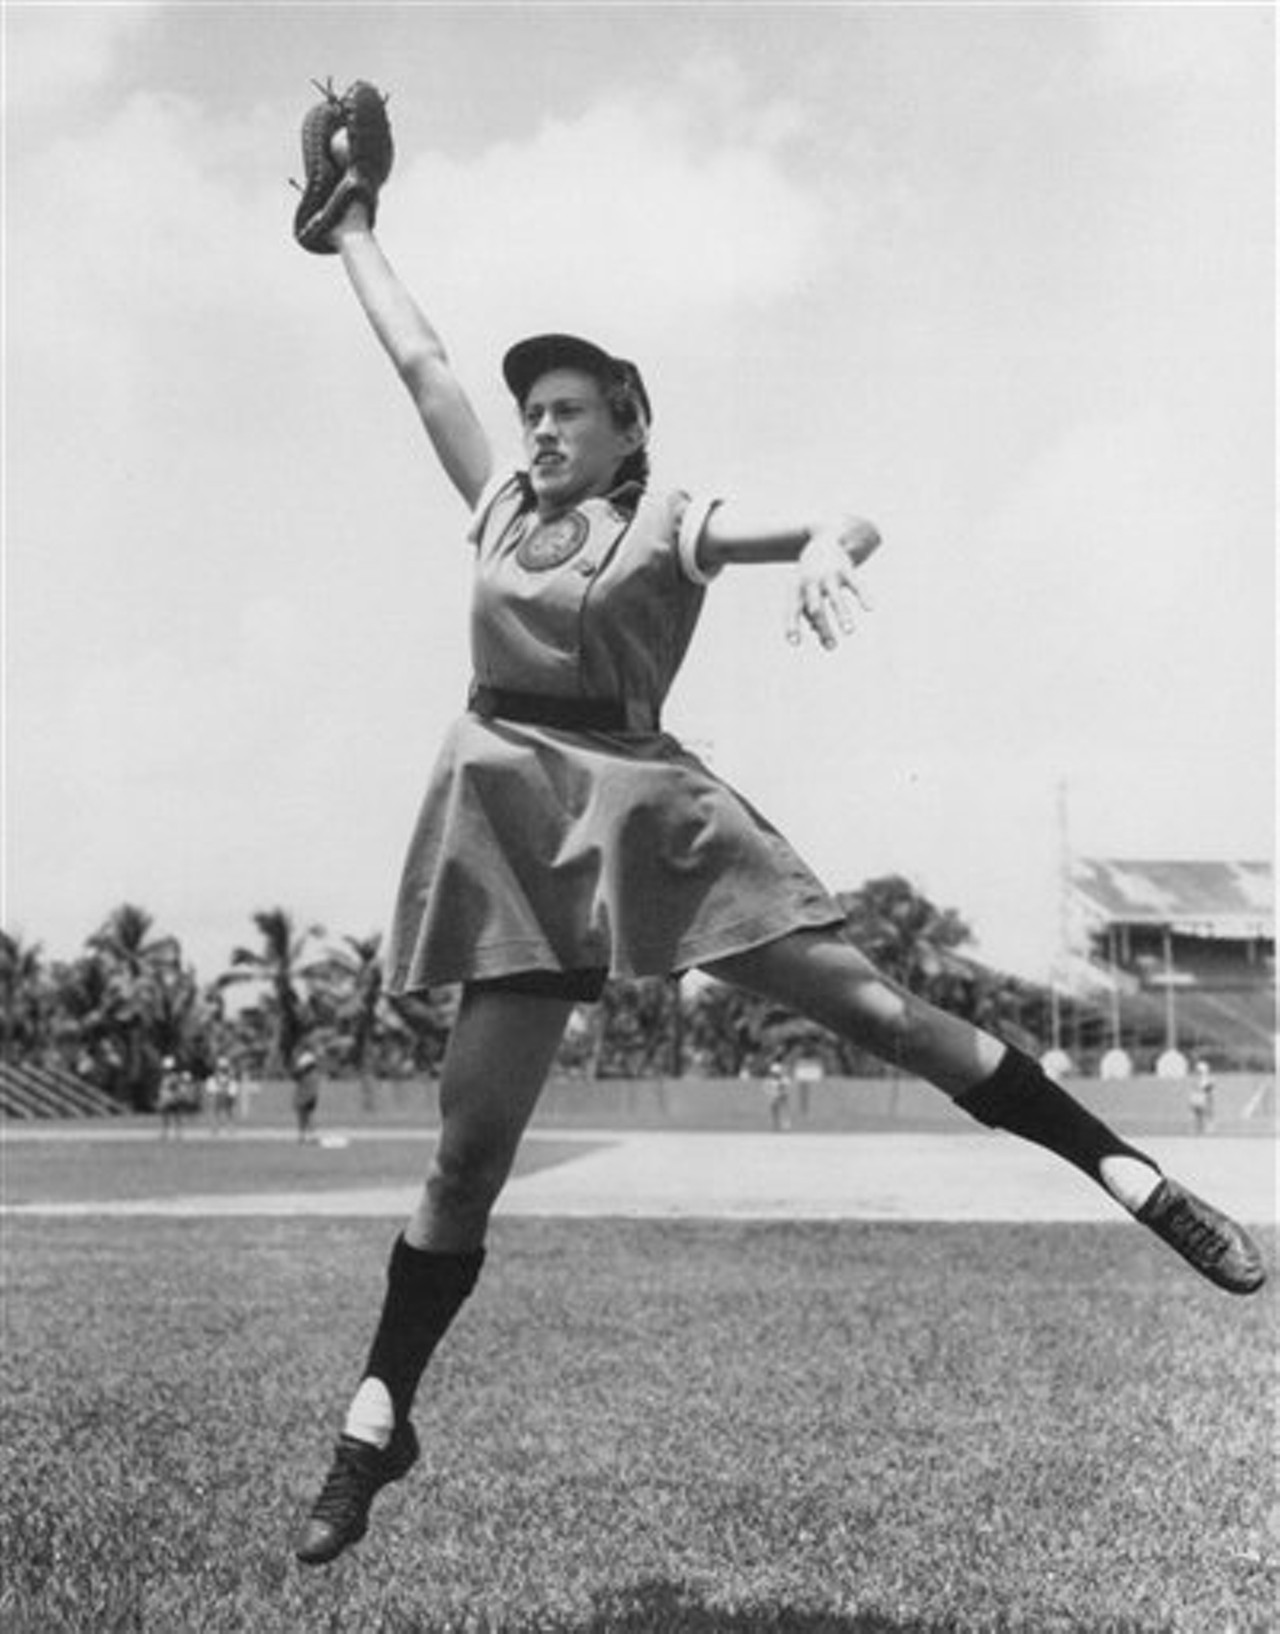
(1220, 899)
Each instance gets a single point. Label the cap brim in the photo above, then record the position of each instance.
(529, 359)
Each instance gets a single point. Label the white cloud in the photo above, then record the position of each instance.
(681, 224)
(718, 91)
(163, 209)
(55, 52)
(169, 211)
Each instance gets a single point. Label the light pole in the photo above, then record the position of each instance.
(1170, 1001)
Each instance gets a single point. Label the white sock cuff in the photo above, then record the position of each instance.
(371, 1416)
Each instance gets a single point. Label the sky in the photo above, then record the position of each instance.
(998, 277)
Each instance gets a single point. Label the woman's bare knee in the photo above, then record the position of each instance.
(499, 1051)
(457, 1200)
(470, 1175)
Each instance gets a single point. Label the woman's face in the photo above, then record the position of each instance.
(572, 444)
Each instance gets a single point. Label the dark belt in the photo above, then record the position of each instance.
(573, 714)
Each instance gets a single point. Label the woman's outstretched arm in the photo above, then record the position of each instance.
(827, 554)
(418, 354)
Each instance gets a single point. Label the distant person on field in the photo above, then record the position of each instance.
(306, 1094)
(170, 1103)
(224, 1092)
(778, 1089)
(1201, 1098)
(191, 1091)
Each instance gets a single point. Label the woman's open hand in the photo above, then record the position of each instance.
(826, 593)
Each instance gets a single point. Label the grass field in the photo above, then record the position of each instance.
(642, 1427)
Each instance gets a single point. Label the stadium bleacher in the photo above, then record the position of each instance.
(28, 1092)
(1192, 946)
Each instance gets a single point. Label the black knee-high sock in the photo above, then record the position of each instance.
(1020, 1097)
(425, 1291)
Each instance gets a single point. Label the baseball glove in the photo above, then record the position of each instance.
(359, 117)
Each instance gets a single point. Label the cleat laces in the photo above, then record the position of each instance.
(1199, 1236)
(1218, 1248)
(349, 1487)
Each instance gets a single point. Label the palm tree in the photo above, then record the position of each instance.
(633, 1036)
(417, 1030)
(283, 969)
(138, 967)
(357, 969)
(26, 1002)
(214, 1032)
(92, 1022)
(901, 931)
(730, 1030)
(183, 1019)
(125, 938)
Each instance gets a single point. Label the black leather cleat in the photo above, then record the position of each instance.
(1216, 1246)
(340, 1515)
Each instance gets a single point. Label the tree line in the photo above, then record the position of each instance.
(129, 1001)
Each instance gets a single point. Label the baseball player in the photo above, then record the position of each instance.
(564, 836)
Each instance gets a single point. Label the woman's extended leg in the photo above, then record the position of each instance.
(500, 1050)
(826, 978)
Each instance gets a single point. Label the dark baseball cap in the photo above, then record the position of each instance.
(529, 359)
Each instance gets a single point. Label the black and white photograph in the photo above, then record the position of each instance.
(639, 812)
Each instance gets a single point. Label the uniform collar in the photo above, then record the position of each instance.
(624, 499)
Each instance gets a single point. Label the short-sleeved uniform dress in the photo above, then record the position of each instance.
(543, 848)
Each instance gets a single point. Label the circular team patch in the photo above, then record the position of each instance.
(551, 543)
